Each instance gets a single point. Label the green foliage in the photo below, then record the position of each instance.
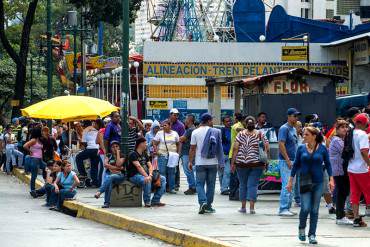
(109, 11)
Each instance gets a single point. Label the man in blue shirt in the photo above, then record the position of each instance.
(224, 173)
(288, 144)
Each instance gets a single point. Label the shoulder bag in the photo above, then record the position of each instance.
(262, 155)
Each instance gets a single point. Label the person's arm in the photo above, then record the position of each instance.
(150, 168)
(295, 168)
(191, 156)
(28, 144)
(140, 125)
(235, 152)
(178, 143)
(266, 145)
(49, 179)
(284, 153)
(100, 141)
(57, 180)
(76, 182)
(328, 168)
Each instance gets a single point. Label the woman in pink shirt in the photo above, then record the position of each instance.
(34, 147)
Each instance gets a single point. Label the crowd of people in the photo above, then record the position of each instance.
(313, 162)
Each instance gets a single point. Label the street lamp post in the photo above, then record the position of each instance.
(125, 76)
(49, 47)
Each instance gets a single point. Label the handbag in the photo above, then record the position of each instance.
(262, 155)
(172, 157)
(156, 180)
(305, 183)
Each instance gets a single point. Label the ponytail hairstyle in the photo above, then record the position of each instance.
(316, 132)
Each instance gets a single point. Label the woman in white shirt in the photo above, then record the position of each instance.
(91, 152)
(166, 143)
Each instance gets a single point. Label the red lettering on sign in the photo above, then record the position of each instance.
(303, 87)
(277, 86)
(294, 86)
(285, 89)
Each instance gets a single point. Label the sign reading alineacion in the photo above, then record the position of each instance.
(294, 53)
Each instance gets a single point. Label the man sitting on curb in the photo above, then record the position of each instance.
(140, 172)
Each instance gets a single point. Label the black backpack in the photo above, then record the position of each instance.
(348, 150)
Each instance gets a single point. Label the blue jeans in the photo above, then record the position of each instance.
(48, 189)
(224, 175)
(285, 196)
(110, 181)
(248, 183)
(167, 172)
(13, 157)
(206, 175)
(91, 154)
(190, 177)
(138, 179)
(64, 194)
(296, 192)
(310, 204)
(34, 165)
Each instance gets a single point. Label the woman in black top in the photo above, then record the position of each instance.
(140, 172)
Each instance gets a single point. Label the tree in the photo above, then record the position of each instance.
(19, 57)
(109, 11)
(7, 78)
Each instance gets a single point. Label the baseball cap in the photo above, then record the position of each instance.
(292, 111)
(205, 117)
(174, 111)
(114, 142)
(361, 119)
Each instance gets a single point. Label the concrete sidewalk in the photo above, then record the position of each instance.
(265, 228)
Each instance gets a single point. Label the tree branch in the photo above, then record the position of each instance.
(4, 40)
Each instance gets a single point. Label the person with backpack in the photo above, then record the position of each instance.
(206, 150)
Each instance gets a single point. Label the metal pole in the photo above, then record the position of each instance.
(137, 83)
(49, 54)
(125, 76)
(49, 47)
(75, 56)
(108, 88)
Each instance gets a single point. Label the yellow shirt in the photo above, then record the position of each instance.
(234, 132)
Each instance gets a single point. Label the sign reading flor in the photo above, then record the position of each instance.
(204, 70)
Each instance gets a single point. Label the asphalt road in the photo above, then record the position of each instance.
(24, 222)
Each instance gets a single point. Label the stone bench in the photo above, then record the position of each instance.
(126, 194)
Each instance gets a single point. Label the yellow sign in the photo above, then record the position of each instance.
(158, 104)
(14, 103)
(204, 70)
(294, 53)
(182, 92)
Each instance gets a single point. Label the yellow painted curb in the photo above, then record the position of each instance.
(166, 234)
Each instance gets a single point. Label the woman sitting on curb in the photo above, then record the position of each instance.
(52, 170)
(65, 184)
(140, 172)
(114, 166)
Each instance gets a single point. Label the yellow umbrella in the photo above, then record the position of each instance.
(70, 108)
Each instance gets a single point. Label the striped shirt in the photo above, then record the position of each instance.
(335, 155)
(249, 146)
(132, 137)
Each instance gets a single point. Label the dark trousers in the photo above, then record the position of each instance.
(234, 187)
(343, 188)
(92, 155)
(177, 177)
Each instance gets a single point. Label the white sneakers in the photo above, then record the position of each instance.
(286, 213)
(344, 221)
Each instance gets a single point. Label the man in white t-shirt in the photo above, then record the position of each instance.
(358, 167)
(205, 169)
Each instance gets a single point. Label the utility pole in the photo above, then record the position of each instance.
(125, 76)
(49, 60)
